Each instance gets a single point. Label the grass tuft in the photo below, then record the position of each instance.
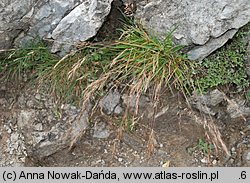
(142, 61)
(31, 59)
(70, 75)
(138, 60)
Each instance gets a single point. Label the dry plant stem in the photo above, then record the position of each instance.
(211, 131)
(216, 135)
(64, 58)
(89, 92)
(151, 143)
(7, 50)
(75, 67)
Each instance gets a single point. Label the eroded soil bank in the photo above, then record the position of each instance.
(177, 128)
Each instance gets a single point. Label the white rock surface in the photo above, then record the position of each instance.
(80, 24)
(204, 25)
(64, 22)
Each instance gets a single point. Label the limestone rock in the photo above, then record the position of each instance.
(205, 103)
(42, 142)
(132, 101)
(237, 108)
(64, 23)
(60, 135)
(80, 24)
(11, 20)
(204, 25)
(111, 103)
(25, 118)
(101, 131)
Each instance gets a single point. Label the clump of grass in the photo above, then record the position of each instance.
(138, 59)
(143, 61)
(31, 58)
(70, 75)
(225, 66)
(65, 78)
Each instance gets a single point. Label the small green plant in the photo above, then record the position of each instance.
(57, 113)
(127, 122)
(204, 146)
(225, 66)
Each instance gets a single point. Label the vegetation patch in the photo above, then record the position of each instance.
(202, 146)
(138, 61)
(141, 61)
(32, 59)
(225, 66)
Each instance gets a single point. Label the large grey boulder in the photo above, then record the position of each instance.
(203, 25)
(43, 140)
(80, 24)
(11, 23)
(65, 23)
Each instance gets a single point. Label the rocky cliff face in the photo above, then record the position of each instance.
(64, 23)
(204, 25)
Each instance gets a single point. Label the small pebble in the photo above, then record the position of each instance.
(120, 159)
(161, 145)
(231, 160)
(214, 162)
(38, 127)
(99, 161)
(22, 159)
(232, 130)
(242, 133)
(248, 156)
(38, 96)
(204, 160)
(9, 131)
